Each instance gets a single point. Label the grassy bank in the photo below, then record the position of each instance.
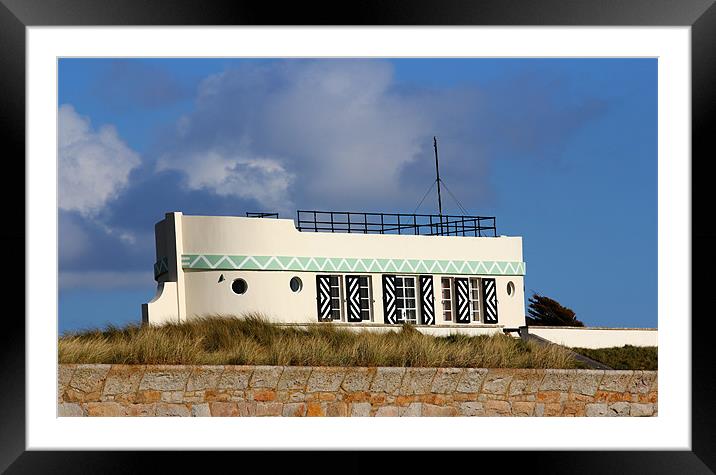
(625, 357)
(252, 340)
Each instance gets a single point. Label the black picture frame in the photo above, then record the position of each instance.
(700, 15)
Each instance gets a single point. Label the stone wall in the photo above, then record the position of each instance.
(139, 390)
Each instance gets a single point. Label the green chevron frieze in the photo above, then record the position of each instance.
(160, 267)
(341, 264)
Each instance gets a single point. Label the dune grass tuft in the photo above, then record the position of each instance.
(625, 357)
(252, 340)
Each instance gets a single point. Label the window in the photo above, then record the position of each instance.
(475, 298)
(329, 295)
(334, 282)
(296, 284)
(358, 298)
(510, 288)
(405, 300)
(446, 297)
(239, 286)
(365, 297)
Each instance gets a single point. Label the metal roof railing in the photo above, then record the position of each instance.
(395, 223)
(261, 215)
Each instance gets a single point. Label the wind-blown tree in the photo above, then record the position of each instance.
(548, 312)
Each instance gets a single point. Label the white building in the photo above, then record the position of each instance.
(369, 270)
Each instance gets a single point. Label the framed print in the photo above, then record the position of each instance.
(188, 43)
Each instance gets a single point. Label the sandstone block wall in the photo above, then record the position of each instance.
(153, 390)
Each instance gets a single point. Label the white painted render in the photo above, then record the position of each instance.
(279, 237)
(270, 295)
(163, 306)
(188, 293)
(586, 337)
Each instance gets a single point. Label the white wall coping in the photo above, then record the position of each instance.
(589, 328)
(386, 325)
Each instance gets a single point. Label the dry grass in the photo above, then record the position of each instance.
(625, 357)
(252, 340)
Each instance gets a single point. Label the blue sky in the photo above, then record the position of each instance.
(562, 151)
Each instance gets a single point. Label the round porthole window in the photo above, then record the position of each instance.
(239, 286)
(296, 284)
(510, 288)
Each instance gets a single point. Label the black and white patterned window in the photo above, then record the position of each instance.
(390, 312)
(329, 296)
(462, 299)
(489, 300)
(359, 298)
(427, 300)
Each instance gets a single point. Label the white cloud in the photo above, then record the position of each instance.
(126, 237)
(226, 174)
(337, 127)
(343, 118)
(94, 166)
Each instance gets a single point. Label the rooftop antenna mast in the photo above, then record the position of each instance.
(437, 180)
(437, 173)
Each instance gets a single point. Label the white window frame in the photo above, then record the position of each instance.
(369, 286)
(340, 297)
(475, 303)
(451, 298)
(404, 298)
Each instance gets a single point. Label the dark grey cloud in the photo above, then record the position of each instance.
(523, 119)
(90, 244)
(155, 193)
